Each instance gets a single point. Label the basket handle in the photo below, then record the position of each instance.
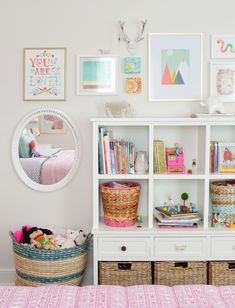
(231, 266)
(12, 235)
(124, 266)
(181, 265)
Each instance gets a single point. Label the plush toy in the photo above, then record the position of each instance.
(27, 233)
(40, 240)
(81, 238)
(19, 235)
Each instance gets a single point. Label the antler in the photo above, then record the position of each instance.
(124, 35)
(140, 37)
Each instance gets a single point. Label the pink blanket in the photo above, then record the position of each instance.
(151, 296)
(57, 167)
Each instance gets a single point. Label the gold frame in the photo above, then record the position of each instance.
(201, 68)
(24, 72)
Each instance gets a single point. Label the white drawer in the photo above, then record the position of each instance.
(124, 247)
(183, 248)
(223, 248)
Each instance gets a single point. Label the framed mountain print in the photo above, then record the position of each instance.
(175, 67)
(44, 73)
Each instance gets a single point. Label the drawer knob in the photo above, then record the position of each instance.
(180, 247)
(123, 248)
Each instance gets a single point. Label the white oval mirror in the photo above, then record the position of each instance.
(46, 149)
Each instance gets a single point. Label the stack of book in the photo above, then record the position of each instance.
(115, 156)
(176, 219)
(159, 157)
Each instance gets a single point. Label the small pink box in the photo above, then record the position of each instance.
(174, 159)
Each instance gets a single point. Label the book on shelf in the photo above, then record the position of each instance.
(222, 157)
(159, 157)
(115, 156)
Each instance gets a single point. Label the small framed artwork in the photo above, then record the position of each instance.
(132, 65)
(227, 158)
(223, 46)
(133, 85)
(96, 75)
(175, 67)
(50, 124)
(222, 80)
(44, 73)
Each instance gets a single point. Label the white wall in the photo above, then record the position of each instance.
(82, 27)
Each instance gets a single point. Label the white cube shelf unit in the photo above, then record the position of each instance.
(151, 243)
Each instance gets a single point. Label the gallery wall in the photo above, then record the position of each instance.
(83, 27)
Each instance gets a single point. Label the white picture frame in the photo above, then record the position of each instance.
(97, 75)
(223, 46)
(184, 53)
(222, 80)
(44, 74)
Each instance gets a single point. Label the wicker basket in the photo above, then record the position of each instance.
(35, 267)
(176, 273)
(120, 203)
(223, 199)
(125, 273)
(222, 273)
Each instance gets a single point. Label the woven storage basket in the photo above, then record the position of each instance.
(35, 267)
(223, 199)
(222, 273)
(125, 273)
(176, 273)
(120, 203)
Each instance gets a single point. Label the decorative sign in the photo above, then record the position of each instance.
(44, 73)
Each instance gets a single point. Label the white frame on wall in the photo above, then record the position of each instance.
(213, 91)
(15, 149)
(227, 41)
(59, 66)
(191, 93)
(113, 78)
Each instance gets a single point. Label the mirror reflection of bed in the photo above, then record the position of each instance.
(46, 149)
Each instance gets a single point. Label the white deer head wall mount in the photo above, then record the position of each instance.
(131, 43)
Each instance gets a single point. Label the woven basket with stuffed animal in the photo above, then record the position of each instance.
(41, 262)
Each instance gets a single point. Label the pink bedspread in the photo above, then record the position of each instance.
(57, 167)
(151, 296)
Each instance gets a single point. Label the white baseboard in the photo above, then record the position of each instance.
(7, 276)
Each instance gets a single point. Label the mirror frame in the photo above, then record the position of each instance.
(15, 149)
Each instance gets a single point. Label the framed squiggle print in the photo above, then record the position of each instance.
(223, 46)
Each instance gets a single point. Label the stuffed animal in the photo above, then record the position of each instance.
(40, 240)
(81, 238)
(19, 235)
(27, 232)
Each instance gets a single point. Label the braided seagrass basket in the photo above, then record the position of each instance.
(223, 199)
(120, 203)
(36, 267)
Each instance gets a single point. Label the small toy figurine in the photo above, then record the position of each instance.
(190, 207)
(212, 221)
(189, 171)
(184, 197)
(231, 225)
(177, 149)
(139, 221)
(194, 166)
(170, 204)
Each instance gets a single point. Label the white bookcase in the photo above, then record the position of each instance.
(150, 242)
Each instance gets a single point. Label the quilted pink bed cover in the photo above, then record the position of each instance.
(147, 296)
